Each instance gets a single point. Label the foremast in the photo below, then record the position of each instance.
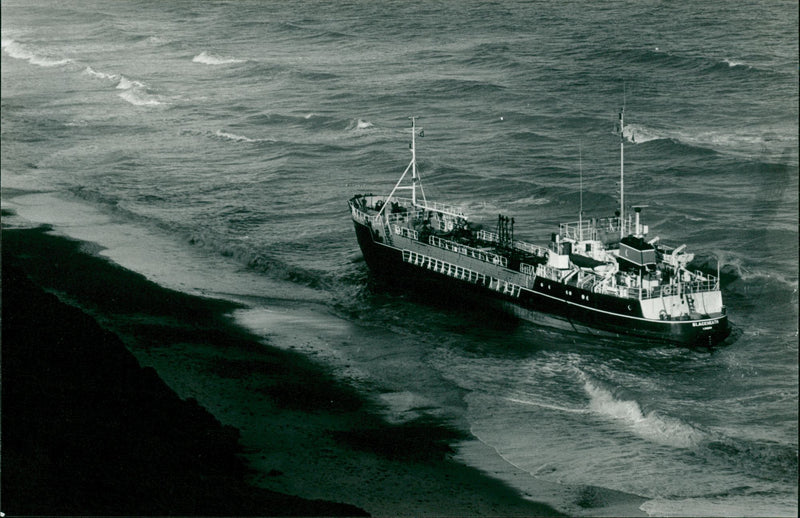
(416, 183)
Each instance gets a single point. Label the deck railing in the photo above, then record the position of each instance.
(687, 288)
(451, 210)
(468, 251)
(548, 272)
(491, 237)
(364, 218)
(590, 229)
(406, 232)
(443, 267)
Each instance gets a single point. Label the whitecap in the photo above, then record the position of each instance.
(650, 425)
(139, 98)
(731, 63)
(100, 75)
(19, 51)
(210, 59)
(359, 124)
(126, 84)
(638, 134)
(238, 138)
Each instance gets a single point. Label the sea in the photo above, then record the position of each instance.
(212, 147)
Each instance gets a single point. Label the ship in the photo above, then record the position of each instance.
(597, 276)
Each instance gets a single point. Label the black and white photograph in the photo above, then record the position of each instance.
(399, 258)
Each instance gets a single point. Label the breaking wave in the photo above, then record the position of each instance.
(27, 53)
(127, 84)
(100, 75)
(239, 138)
(359, 125)
(134, 92)
(639, 134)
(265, 263)
(648, 425)
(209, 59)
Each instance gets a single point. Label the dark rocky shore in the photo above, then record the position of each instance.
(87, 431)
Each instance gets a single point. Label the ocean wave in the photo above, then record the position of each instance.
(450, 86)
(138, 98)
(734, 267)
(133, 91)
(359, 124)
(638, 134)
(497, 55)
(740, 142)
(239, 138)
(531, 200)
(539, 404)
(30, 54)
(126, 84)
(694, 63)
(100, 75)
(731, 63)
(764, 459)
(648, 425)
(136, 92)
(210, 59)
(261, 262)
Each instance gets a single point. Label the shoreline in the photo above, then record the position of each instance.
(87, 430)
(322, 437)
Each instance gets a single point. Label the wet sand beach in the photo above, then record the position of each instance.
(91, 426)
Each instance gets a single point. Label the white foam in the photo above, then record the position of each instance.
(100, 75)
(134, 92)
(209, 59)
(139, 98)
(238, 138)
(731, 63)
(24, 52)
(359, 124)
(639, 134)
(127, 84)
(547, 405)
(650, 426)
(160, 258)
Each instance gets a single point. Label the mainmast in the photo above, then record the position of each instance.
(580, 209)
(621, 174)
(414, 177)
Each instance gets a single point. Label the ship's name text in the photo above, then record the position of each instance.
(705, 323)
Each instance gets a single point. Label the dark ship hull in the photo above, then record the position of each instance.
(547, 303)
